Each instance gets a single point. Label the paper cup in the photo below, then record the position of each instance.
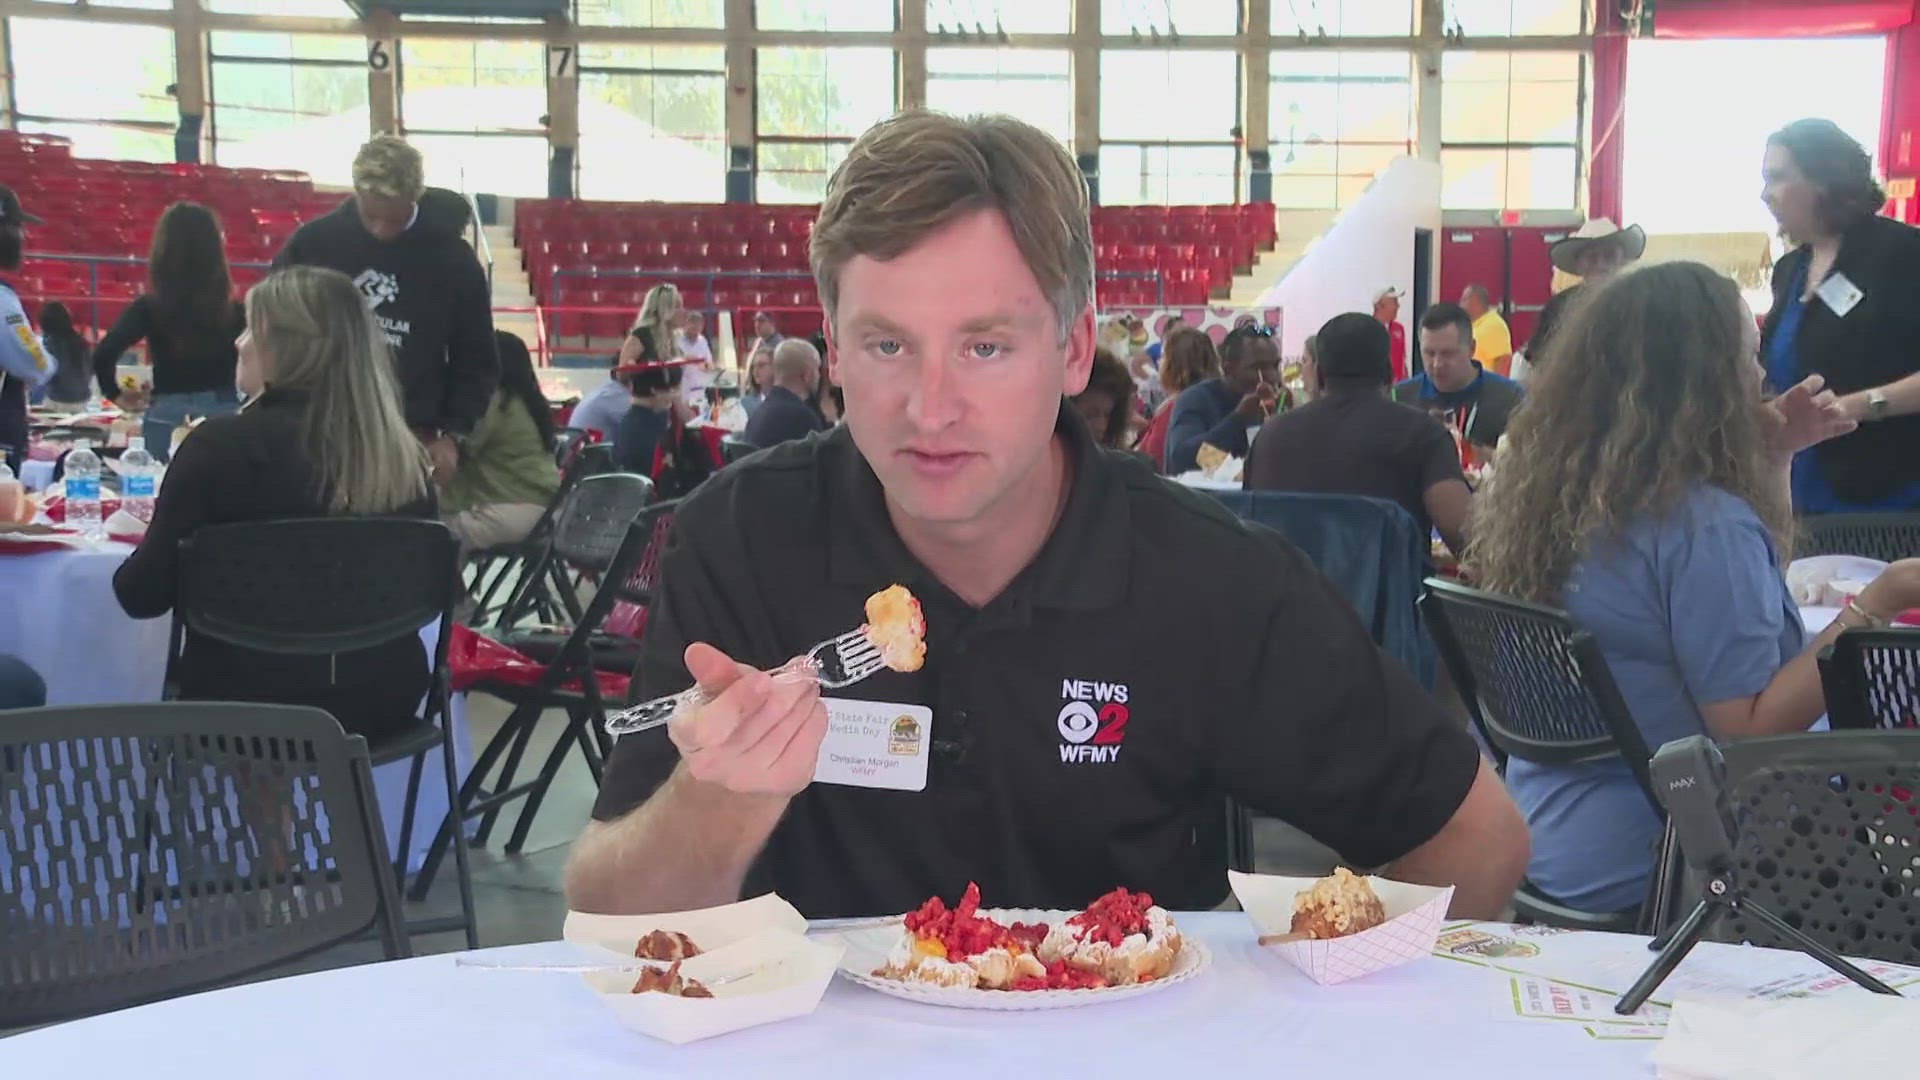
(790, 973)
(1414, 914)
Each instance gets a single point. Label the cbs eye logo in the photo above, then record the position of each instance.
(1078, 722)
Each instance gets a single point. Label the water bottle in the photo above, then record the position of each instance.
(83, 490)
(138, 476)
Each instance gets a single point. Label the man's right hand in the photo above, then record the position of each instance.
(758, 735)
(1254, 405)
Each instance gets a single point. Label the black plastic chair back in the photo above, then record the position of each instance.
(153, 850)
(733, 448)
(637, 587)
(566, 444)
(316, 586)
(1538, 689)
(593, 521)
(1871, 679)
(1828, 837)
(1887, 537)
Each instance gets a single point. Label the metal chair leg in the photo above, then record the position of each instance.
(575, 730)
(511, 767)
(406, 818)
(455, 830)
(457, 813)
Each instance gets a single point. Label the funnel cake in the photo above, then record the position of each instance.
(1119, 940)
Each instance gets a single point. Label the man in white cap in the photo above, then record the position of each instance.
(1386, 308)
(1594, 252)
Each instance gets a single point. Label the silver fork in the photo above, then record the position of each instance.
(835, 662)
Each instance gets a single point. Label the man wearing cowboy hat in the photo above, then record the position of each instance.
(1594, 252)
(24, 362)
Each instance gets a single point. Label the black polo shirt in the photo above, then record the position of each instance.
(1215, 659)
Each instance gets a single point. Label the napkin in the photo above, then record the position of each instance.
(120, 523)
(1851, 1034)
(1829, 580)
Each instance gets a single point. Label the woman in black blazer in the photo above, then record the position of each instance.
(323, 435)
(1846, 306)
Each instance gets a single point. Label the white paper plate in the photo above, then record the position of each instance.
(867, 951)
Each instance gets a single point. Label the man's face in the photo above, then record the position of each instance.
(1448, 357)
(1256, 360)
(383, 215)
(1600, 261)
(1386, 309)
(762, 326)
(696, 324)
(1471, 301)
(951, 361)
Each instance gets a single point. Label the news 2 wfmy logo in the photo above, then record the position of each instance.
(1093, 722)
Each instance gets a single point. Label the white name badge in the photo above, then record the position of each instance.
(875, 744)
(1839, 294)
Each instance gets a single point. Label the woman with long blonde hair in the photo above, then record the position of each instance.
(1642, 488)
(654, 336)
(323, 435)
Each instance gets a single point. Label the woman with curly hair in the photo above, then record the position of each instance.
(1107, 402)
(1643, 489)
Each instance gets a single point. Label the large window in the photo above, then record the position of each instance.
(830, 15)
(1516, 18)
(1170, 16)
(1716, 141)
(318, 9)
(653, 122)
(473, 108)
(1167, 119)
(1344, 18)
(706, 14)
(992, 16)
(1334, 120)
(110, 97)
(812, 104)
(1510, 130)
(1030, 84)
(288, 101)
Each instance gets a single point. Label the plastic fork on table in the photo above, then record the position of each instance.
(476, 963)
(835, 662)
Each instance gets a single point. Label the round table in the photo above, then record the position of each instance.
(61, 617)
(1251, 1012)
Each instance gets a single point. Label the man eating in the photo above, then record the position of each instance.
(1110, 657)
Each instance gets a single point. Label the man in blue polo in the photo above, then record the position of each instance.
(1453, 387)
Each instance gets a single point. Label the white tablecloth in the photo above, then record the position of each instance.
(1252, 1015)
(59, 614)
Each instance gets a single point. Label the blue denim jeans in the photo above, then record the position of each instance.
(168, 411)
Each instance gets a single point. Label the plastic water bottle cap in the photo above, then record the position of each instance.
(136, 442)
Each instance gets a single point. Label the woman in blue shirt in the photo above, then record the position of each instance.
(1642, 489)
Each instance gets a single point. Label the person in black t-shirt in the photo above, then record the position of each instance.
(1352, 439)
(189, 321)
(426, 289)
(1109, 656)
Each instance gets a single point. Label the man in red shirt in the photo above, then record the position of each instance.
(1386, 308)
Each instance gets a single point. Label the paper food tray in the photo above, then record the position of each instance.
(765, 935)
(1414, 914)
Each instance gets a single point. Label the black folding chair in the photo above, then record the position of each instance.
(160, 849)
(1871, 679)
(605, 530)
(541, 595)
(733, 448)
(1539, 690)
(567, 443)
(325, 586)
(1887, 537)
(1827, 835)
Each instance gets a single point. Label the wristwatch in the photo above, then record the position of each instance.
(1876, 404)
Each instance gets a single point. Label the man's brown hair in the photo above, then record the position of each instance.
(913, 174)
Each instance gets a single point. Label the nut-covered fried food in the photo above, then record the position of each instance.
(666, 945)
(1337, 906)
(670, 981)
